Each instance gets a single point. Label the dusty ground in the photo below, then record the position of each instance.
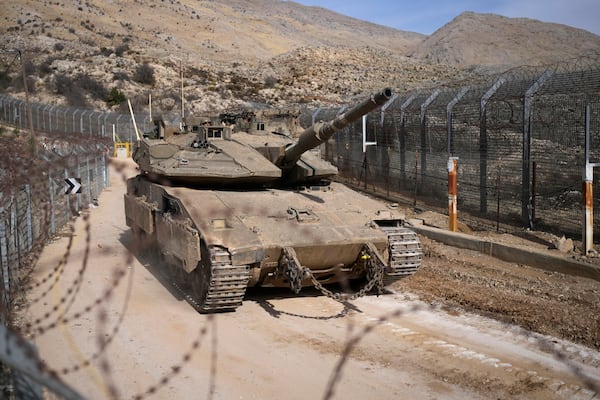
(546, 302)
(114, 326)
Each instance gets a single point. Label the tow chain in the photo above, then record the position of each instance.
(292, 270)
(374, 269)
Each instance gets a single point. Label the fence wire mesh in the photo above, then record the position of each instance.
(519, 138)
(36, 203)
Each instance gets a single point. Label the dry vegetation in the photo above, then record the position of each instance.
(97, 54)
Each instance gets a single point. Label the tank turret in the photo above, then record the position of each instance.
(244, 149)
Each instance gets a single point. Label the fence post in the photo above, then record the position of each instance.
(483, 144)
(452, 195)
(4, 261)
(449, 108)
(588, 209)
(424, 141)
(402, 136)
(16, 246)
(526, 189)
(52, 218)
(29, 218)
(68, 199)
(588, 190)
(89, 181)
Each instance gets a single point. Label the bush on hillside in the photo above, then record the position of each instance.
(144, 74)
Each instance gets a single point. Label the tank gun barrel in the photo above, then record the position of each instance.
(320, 132)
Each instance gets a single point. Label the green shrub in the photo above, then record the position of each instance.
(115, 97)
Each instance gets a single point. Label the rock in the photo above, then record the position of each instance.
(562, 244)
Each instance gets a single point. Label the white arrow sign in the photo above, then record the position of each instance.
(74, 185)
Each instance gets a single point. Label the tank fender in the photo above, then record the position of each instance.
(139, 212)
(179, 238)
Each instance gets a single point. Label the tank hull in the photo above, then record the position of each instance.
(327, 227)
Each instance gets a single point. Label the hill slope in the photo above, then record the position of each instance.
(492, 40)
(233, 52)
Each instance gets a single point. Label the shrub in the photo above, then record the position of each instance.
(17, 84)
(58, 46)
(115, 97)
(64, 86)
(270, 81)
(4, 79)
(120, 50)
(45, 66)
(120, 76)
(144, 74)
(93, 87)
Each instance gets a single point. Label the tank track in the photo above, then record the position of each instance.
(227, 283)
(405, 253)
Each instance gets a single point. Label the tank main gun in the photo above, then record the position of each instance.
(320, 132)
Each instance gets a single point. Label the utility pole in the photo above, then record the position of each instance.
(29, 116)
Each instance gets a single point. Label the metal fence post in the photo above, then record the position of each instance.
(14, 231)
(424, 141)
(452, 194)
(29, 218)
(449, 108)
(402, 135)
(526, 189)
(483, 144)
(52, 209)
(4, 260)
(588, 190)
(89, 181)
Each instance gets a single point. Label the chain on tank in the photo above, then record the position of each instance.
(374, 280)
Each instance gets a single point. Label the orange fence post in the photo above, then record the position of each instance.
(452, 208)
(588, 210)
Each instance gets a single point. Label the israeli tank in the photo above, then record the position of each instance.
(235, 203)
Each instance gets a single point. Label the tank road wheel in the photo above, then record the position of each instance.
(216, 284)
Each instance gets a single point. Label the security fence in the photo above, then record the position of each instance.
(45, 180)
(51, 119)
(520, 140)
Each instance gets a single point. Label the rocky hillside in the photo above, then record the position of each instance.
(486, 40)
(235, 52)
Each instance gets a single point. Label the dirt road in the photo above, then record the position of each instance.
(112, 325)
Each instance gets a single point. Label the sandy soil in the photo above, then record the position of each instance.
(466, 326)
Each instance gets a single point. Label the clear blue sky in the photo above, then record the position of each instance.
(426, 16)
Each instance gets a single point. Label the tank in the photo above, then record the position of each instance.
(242, 201)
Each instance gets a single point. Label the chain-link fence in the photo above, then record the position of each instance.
(51, 119)
(45, 180)
(519, 138)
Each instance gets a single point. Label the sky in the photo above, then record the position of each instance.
(426, 16)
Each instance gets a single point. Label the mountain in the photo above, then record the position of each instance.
(486, 40)
(199, 29)
(232, 53)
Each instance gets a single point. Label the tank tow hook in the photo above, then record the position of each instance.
(291, 268)
(374, 265)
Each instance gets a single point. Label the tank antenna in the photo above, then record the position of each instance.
(182, 107)
(137, 135)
